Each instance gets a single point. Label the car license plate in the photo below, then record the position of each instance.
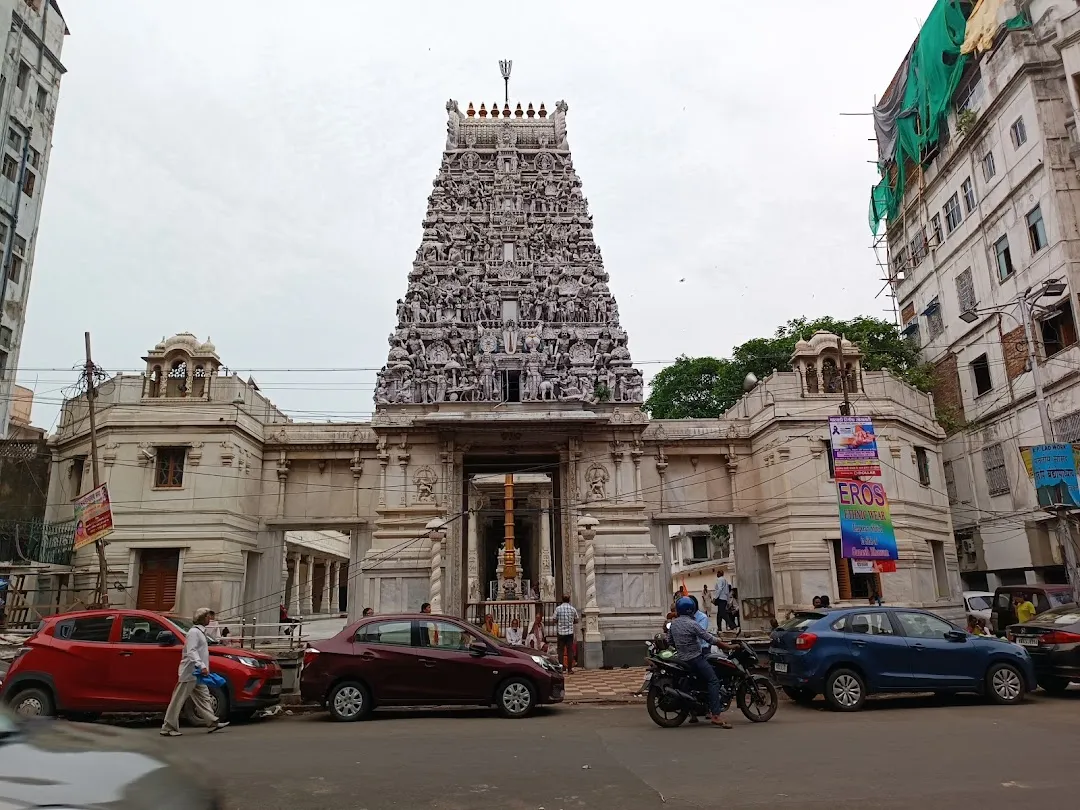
(1028, 641)
(779, 667)
(275, 690)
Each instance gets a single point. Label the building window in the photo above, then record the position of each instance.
(33, 157)
(950, 482)
(918, 247)
(11, 168)
(699, 546)
(900, 263)
(965, 547)
(997, 477)
(24, 76)
(968, 190)
(829, 457)
(1067, 428)
(922, 461)
(935, 324)
(3, 364)
(28, 183)
(988, 167)
(78, 467)
(1058, 331)
(15, 269)
(941, 571)
(42, 98)
(1036, 230)
(5, 336)
(965, 291)
(1018, 133)
(980, 370)
(953, 217)
(935, 226)
(1003, 257)
(14, 139)
(850, 585)
(170, 467)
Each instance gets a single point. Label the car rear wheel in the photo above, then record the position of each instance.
(804, 697)
(1053, 685)
(219, 704)
(516, 698)
(349, 701)
(1005, 684)
(33, 702)
(845, 690)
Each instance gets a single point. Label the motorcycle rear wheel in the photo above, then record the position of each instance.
(757, 699)
(665, 718)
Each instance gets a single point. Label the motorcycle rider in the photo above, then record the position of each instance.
(687, 638)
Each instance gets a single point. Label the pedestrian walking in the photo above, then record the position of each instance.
(706, 600)
(194, 662)
(566, 616)
(721, 598)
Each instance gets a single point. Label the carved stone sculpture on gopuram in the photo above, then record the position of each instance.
(508, 298)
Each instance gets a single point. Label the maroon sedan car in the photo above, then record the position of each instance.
(424, 660)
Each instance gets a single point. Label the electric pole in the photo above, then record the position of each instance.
(102, 595)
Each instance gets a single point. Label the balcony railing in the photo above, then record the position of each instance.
(504, 612)
(36, 541)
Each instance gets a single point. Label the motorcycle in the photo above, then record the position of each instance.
(673, 693)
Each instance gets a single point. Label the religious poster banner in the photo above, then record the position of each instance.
(854, 447)
(1025, 455)
(93, 517)
(1054, 468)
(866, 530)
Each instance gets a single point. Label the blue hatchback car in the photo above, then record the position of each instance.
(851, 653)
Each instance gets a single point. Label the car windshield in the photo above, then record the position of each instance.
(1059, 597)
(800, 621)
(979, 602)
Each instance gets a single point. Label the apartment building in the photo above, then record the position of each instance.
(989, 218)
(30, 73)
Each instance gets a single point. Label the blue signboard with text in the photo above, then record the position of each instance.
(1054, 468)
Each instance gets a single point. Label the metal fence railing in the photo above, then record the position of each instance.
(37, 541)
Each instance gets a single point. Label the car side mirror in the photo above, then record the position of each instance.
(478, 648)
(956, 635)
(166, 638)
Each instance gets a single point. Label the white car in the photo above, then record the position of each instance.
(978, 604)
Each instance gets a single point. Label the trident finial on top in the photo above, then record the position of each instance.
(504, 67)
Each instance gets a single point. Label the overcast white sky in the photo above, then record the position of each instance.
(256, 171)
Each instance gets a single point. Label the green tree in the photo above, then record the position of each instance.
(702, 387)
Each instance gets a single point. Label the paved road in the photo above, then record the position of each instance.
(900, 754)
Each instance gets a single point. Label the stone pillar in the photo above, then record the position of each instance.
(546, 584)
(327, 605)
(283, 475)
(473, 560)
(617, 457)
(435, 590)
(306, 569)
(293, 603)
(635, 454)
(335, 593)
(359, 544)
(593, 654)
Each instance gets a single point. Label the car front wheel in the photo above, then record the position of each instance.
(516, 698)
(349, 701)
(845, 690)
(1005, 684)
(33, 702)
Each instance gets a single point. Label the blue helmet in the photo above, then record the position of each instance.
(684, 606)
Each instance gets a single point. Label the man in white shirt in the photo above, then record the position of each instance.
(722, 598)
(194, 661)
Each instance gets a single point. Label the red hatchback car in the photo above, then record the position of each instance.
(97, 661)
(424, 660)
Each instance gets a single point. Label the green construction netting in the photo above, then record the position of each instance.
(934, 71)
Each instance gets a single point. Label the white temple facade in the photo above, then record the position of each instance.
(508, 462)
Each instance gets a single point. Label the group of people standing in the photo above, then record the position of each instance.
(722, 597)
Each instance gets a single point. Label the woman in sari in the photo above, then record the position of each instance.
(536, 639)
(490, 627)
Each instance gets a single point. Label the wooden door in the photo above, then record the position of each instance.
(157, 579)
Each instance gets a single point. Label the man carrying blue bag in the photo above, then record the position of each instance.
(193, 681)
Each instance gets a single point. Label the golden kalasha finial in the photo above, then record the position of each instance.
(543, 110)
(506, 111)
(530, 112)
(518, 112)
(471, 112)
(483, 110)
(495, 110)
